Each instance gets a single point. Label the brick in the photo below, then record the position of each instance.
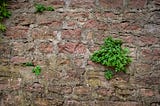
(93, 24)
(110, 15)
(24, 19)
(72, 103)
(80, 49)
(17, 32)
(78, 62)
(43, 33)
(15, 84)
(35, 87)
(146, 92)
(111, 3)
(54, 20)
(104, 92)
(81, 90)
(82, 3)
(147, 40)
(147, 55)
(67, 47)
(156, 54)
(80, 16)
(46, 47)
(18, 60)
(57, 3)
(66, 90)
(41, 102)
(137, 3)
(110, 103)
(71, 34)
(129, 39)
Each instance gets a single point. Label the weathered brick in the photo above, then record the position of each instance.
(66, 90)
(67, 47)
(146, 92)
(80, 49)
(137, 3)
(104, 91)
(72, 103)
(46, 47)
(43, 33)
(82, 3)
(53, 20)
(41, 102)
(18, 60)
(110, 103)
(111, 3)
(93, 24)
(71, 34)
(16, 32)
(147, 40)
(24, 19)
(81, 90)
(57, 3)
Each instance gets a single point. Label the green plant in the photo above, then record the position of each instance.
(112, 55)
(36, 70)
(2, 27)
(28, 64)
(40, 8)
(50, 8)
(4, 13)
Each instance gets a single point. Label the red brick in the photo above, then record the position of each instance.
(18, 60)
(82, 3)
(48, 19)
(17, 32)
(129, 39)
(104, 92)
(43, 33)
(57, 3)
(67, 90)
(15, 83)
(71, 34)
(133, 27)
(116, 103)
(110, 15)
(93, 24)
(80, 16)
(80, 49)
(81, 90)
(67, 47)
(146, 92)
(124, 26)
(78, 62)
(147, 54)
(147, 40)
(111, 3)
(46, 47)
(137, 3)
(72, 103)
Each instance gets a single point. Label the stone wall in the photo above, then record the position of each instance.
(61, 42)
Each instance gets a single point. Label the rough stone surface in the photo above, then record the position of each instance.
(62, 41)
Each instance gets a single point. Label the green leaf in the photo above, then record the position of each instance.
(108, 74)
(36, 70)
(50, 9)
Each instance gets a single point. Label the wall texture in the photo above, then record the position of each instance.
(61, 42)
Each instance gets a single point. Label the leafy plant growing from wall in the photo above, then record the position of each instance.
(36, 69)
(112, 55)
(4, 13)
(40, 8)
